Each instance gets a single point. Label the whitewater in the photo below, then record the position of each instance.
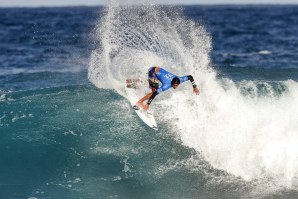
(247, 128)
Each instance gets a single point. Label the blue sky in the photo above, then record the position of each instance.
(29, 3)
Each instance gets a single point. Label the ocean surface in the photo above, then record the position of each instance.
(67, 130)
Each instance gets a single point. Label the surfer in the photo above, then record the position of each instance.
(167, 80)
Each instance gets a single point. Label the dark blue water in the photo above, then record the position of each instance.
(249, 41)
(61, 137)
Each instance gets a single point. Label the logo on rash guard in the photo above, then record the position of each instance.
(169, 76)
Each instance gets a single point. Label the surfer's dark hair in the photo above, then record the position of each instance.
(175, 80)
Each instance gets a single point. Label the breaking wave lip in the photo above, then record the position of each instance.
(249, 136)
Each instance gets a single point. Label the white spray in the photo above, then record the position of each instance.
(250, 136)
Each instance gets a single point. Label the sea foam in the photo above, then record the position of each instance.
(251, 136)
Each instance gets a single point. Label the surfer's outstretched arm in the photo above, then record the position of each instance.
(195, 87)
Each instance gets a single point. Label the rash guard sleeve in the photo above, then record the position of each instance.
(190, 78)
(183, 79)
(186, 78)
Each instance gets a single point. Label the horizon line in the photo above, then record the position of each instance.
(178, 4)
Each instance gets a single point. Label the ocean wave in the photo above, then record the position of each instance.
(28, 70)
(245, 128)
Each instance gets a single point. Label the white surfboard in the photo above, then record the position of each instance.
(146, 116)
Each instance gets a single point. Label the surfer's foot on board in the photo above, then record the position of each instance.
(146, 107)
(141, 106)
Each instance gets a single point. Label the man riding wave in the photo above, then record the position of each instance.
(167, 80)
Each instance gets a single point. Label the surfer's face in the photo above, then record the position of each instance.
(175, 86)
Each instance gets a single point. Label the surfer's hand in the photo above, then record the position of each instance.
(146, 107)
(196, 91)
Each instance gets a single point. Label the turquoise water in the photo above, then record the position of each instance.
(70, 142)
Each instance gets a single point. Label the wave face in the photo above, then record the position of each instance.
(247, 128)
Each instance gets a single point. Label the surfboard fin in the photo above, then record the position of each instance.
(135, 107)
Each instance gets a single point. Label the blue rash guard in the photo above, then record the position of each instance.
(165, 78)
